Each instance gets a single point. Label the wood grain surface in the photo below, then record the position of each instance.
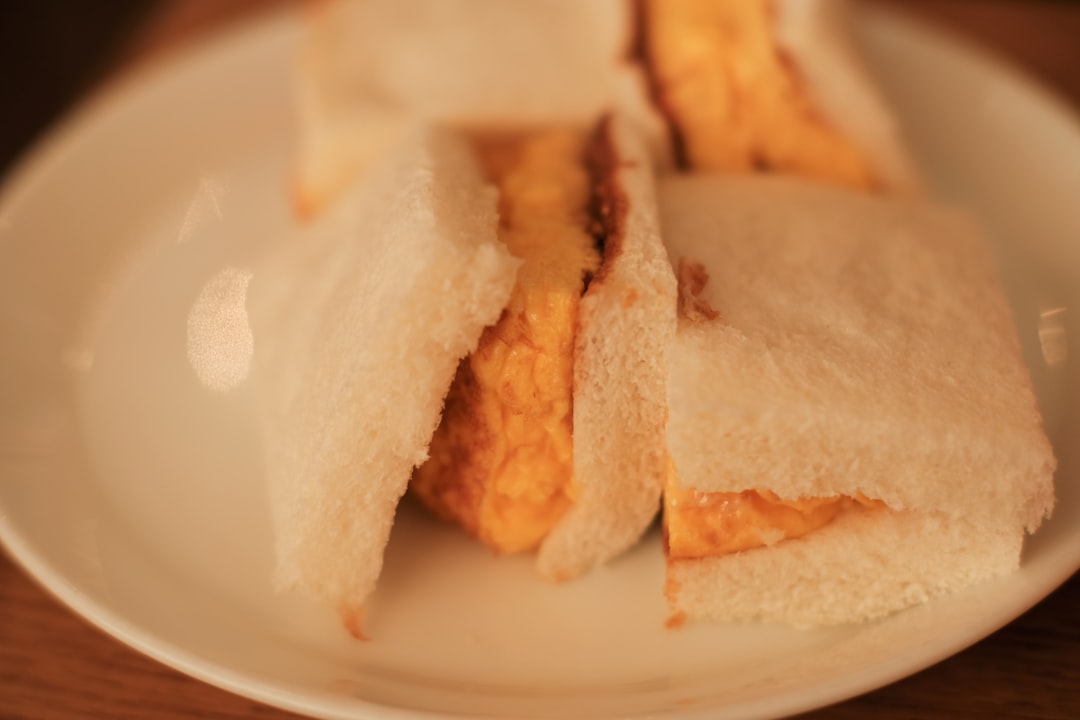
(54, 666)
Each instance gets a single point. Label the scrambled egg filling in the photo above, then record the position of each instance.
(734, 100)
(501, 461)
(709, 524)
(698, 524)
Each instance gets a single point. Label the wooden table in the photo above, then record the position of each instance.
(54, 666)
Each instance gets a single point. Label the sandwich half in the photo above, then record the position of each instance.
(852, 427)
(768, 85)
(366, 67)
(552, 435)
(359, 325)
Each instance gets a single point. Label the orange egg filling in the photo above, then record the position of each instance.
(501, 461)
(699, 524)
(734, 100)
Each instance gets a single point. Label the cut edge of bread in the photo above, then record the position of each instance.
(625, 324)
(354, 359)
(865, 565)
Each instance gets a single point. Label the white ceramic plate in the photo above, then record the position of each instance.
(131, 477)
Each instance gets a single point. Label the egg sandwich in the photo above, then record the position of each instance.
(498, 306)
(852, 427)
(721, 85)
(552, 436)
(746, 86)
(539, 310)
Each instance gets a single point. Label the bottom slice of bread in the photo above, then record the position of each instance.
(863, 566)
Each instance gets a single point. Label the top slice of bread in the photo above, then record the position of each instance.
(471, 62)
(864, 345)
(625, 324)
(358, 328)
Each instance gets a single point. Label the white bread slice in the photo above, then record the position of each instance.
(817, 38)
(864, 345)
(358, 329)
(469, 62)
(861, 567)
(626, 322)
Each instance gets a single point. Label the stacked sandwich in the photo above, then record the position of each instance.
(699, 278)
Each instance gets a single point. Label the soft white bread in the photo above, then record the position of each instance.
(358, 328)
(817, 37)
(864, 346)
(626, 321)
(366, 63)
(861, 567)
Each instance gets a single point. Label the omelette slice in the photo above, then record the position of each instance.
(767, 85)
(710, 524)
(501, 461)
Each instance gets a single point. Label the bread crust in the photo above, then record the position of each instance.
(862, 567)
(625, 324)
(358, 328)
